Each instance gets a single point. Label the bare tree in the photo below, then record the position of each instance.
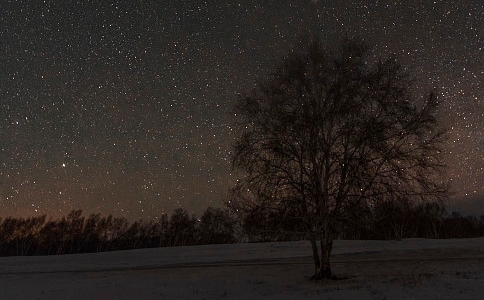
(327, 133)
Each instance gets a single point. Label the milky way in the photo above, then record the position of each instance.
(124, 107)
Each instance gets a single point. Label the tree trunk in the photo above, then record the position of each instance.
(317, 262)
(323, 266)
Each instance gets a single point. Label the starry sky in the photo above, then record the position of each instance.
(124, 107)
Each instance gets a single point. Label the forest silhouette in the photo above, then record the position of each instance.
(76, 233)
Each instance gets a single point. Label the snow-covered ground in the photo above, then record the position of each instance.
(408, 269)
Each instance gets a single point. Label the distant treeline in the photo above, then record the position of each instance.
(96, 233)
(395, 220)
(385, 221)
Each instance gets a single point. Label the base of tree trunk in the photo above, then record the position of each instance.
(318, 277)
(326, 275)
(323, 274)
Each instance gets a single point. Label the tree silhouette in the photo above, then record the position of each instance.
(330, 132)
(215, 227)
(182, 228)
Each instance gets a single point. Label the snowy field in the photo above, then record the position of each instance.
(408, 269)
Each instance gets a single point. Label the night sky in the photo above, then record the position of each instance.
(123, 107)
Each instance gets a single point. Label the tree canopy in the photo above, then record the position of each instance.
(331, 134)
